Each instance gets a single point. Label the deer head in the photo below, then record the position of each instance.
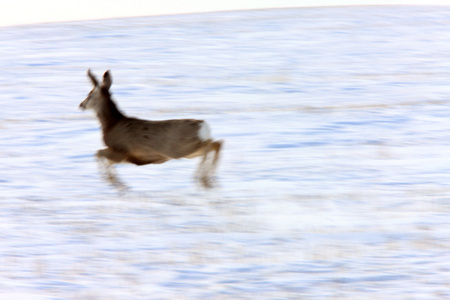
(99, 92)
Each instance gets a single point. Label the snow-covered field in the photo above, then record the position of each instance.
(334, 180)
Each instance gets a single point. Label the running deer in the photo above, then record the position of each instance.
(144, 142)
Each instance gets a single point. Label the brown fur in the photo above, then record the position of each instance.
(144, 142)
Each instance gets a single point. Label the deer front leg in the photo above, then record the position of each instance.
(106, 158)
(111, 155)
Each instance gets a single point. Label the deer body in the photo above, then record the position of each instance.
(147, 142)
(144, 142)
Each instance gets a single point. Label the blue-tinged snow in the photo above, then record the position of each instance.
(334, 180)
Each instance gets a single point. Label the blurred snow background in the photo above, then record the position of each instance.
(334, 181)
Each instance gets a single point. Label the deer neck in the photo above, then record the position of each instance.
(109, 115)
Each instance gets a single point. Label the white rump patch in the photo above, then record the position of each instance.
(204, 133)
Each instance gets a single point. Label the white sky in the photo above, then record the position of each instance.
(18, 12)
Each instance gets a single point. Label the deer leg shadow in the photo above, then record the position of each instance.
(106, 158)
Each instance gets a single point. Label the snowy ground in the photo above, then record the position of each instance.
(334, 182)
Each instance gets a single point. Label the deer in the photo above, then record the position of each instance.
(142, 142)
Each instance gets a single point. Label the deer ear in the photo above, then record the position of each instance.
(107, 80)
(92, 77)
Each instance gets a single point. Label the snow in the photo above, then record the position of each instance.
(334, 180)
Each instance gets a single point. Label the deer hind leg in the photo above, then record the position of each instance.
(106, 158)
(216, 147)
(208, 165)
